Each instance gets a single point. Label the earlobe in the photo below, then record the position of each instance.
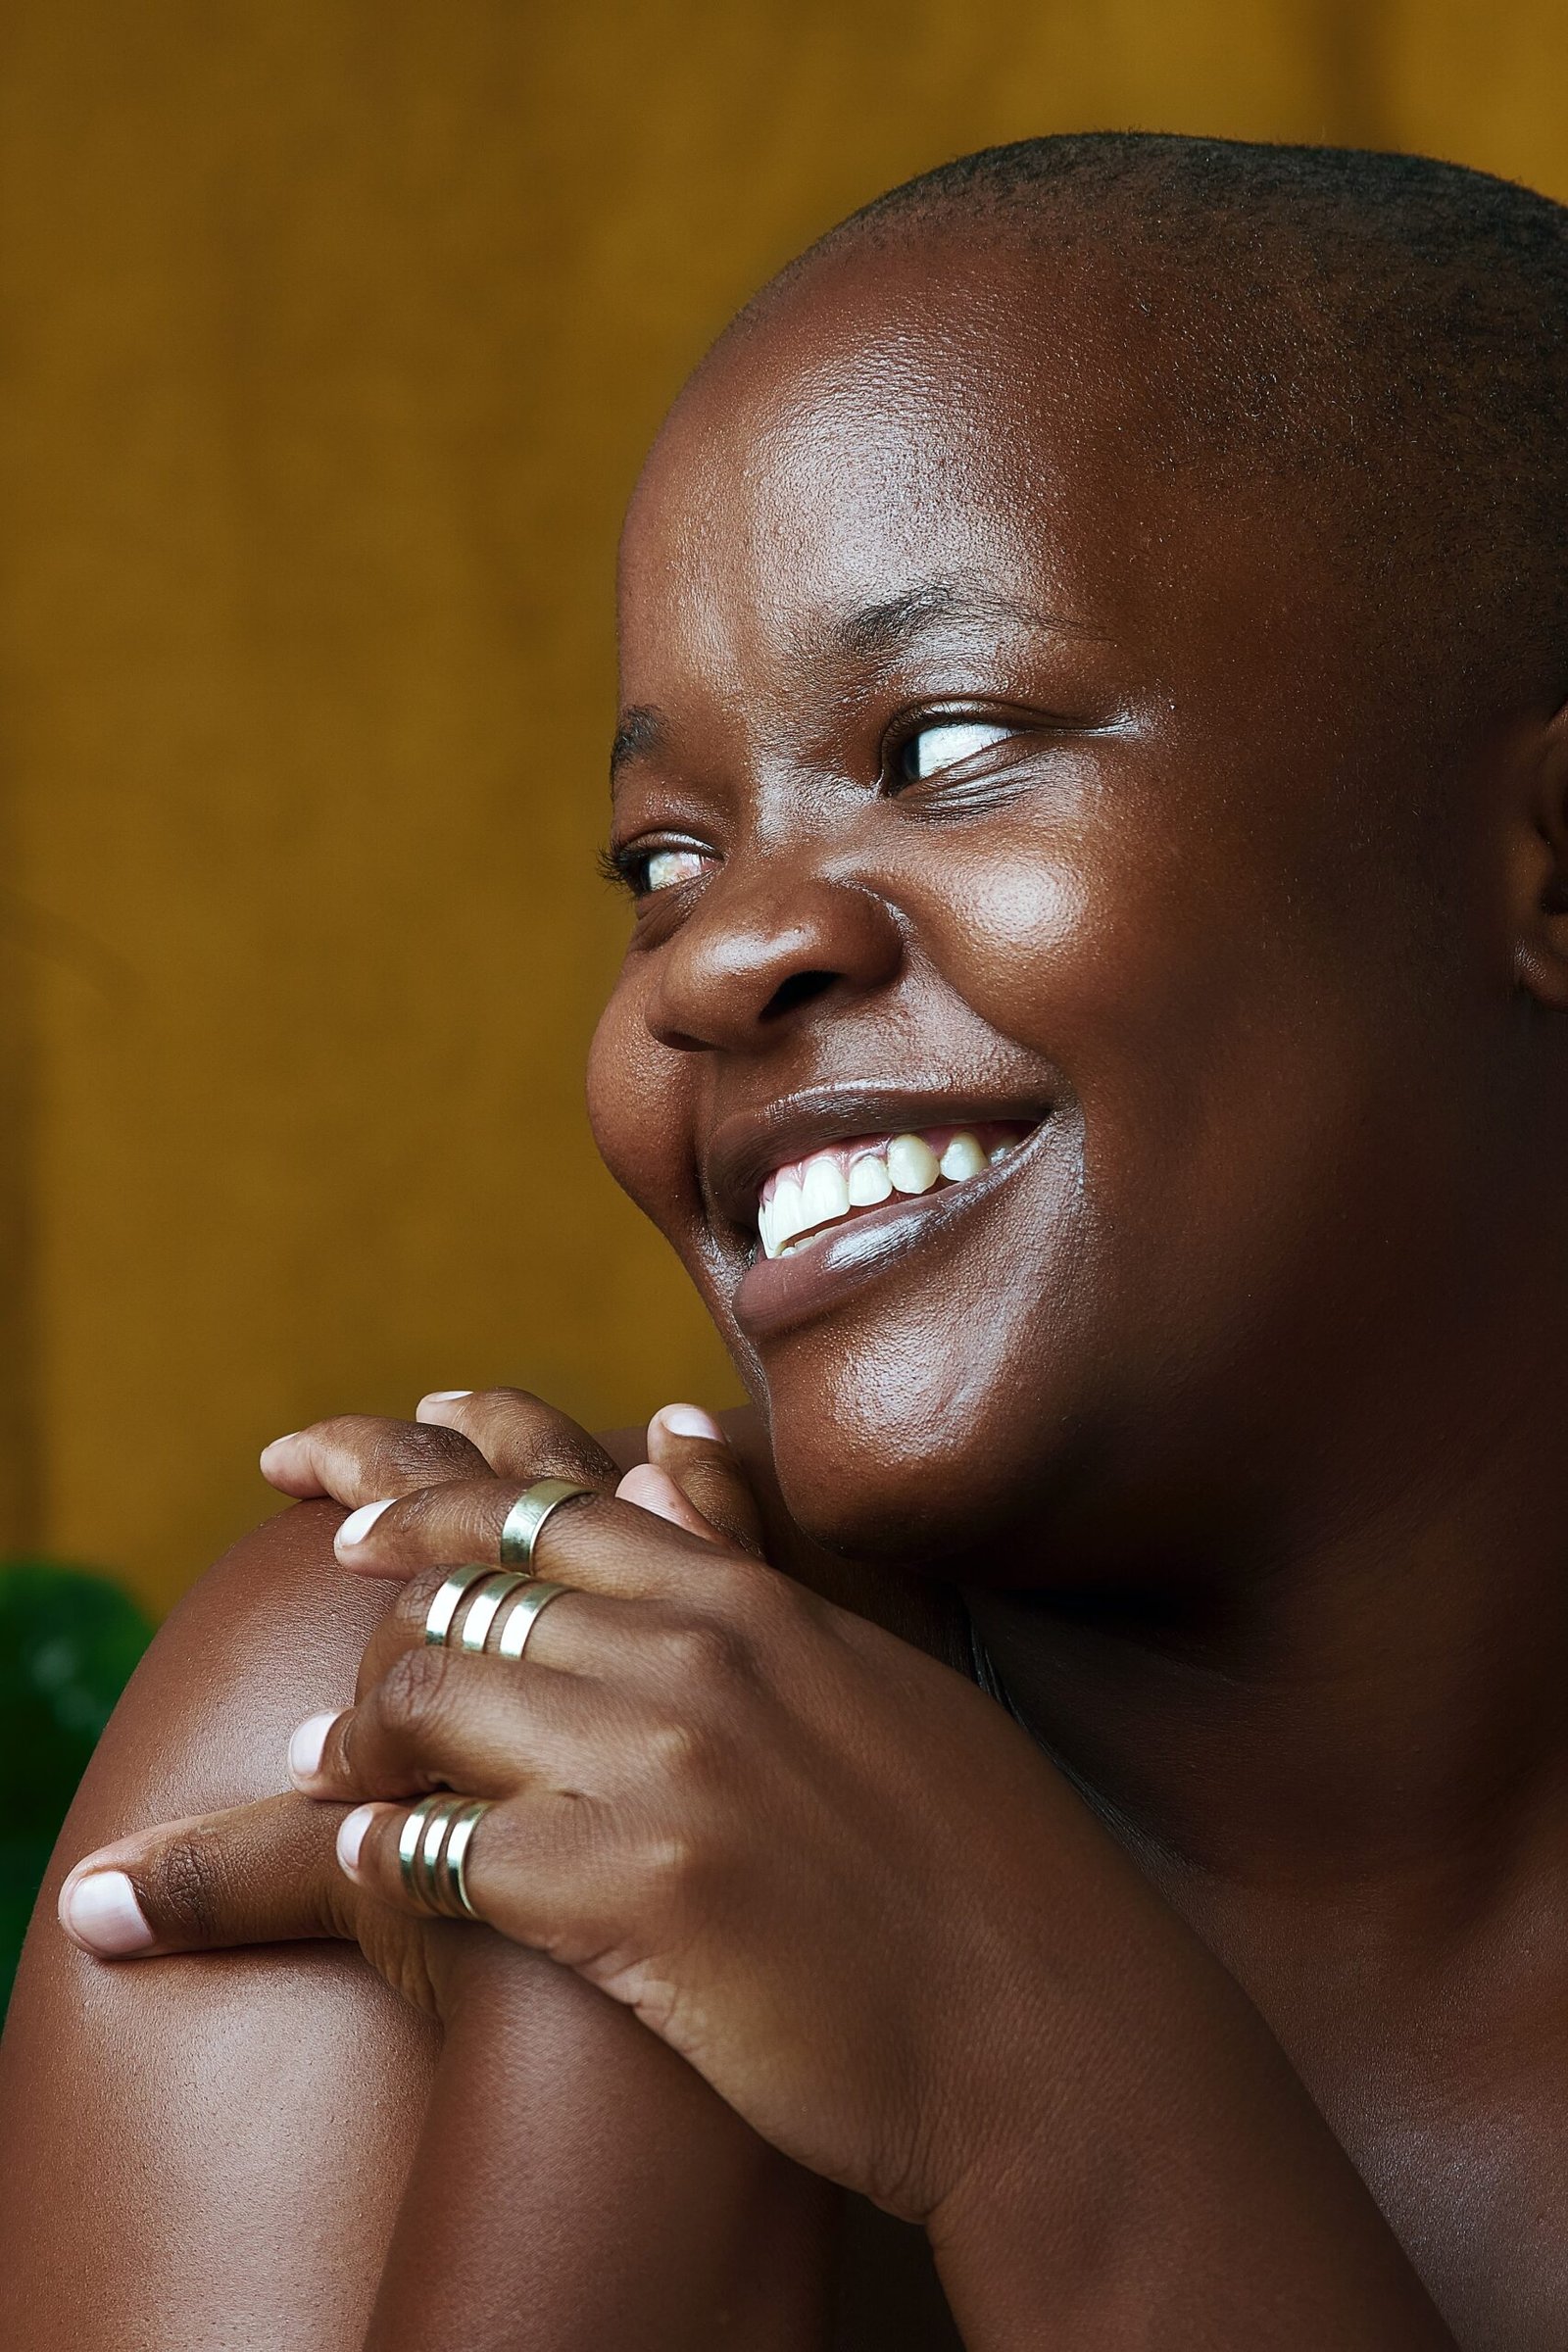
(1539, 874)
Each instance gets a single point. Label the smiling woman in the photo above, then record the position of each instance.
(1092, 779)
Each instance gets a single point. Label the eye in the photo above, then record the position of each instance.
(664, 868)
(944, 743)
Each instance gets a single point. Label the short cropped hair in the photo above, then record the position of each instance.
(1391, 328)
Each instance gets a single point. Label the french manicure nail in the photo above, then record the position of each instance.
(358, 1525)
(689, 1421)
(305, 1746)
(351, 1835)
(272, 1444)
(101, 1912)
(445, 1395)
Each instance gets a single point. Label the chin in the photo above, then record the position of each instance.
(909, 1461)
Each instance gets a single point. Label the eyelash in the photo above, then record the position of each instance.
(626, 868)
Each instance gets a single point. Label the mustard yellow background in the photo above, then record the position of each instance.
(331, 332)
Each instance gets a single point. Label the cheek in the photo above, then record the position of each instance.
(638, 1112)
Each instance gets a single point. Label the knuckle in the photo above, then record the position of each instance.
(423, 1453)
(678, 1746)
(678, 1874)
(703, 1651)
(411, 1692)
(189, 1881)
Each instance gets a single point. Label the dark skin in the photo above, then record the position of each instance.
(1233, 1401)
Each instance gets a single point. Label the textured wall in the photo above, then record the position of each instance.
(333, 332)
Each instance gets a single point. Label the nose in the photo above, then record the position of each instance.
(748, 963)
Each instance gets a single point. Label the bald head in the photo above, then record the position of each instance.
(1383, 338)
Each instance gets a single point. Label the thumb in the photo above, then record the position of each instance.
(694, 1454)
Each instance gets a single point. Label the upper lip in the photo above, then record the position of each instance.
(749, 1144)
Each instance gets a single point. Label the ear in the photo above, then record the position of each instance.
(1540, 873)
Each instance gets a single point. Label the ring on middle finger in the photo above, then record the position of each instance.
(486, 1605)
(535, 1596)
(448, 1596)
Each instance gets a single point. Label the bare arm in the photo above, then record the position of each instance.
(211, 2152)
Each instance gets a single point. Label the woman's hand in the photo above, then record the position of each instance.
(828, 1872)
(268, 1872)
(788, 1841)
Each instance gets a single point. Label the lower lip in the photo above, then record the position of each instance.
(776, 1293)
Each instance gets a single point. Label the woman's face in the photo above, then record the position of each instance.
(984, 771)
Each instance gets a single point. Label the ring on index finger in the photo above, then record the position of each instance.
(521, 1529)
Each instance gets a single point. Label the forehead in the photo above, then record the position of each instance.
(880, 427)
(951, 422)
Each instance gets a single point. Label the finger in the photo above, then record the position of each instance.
(654, 1491)
(575, 1641)
(360, 1458)
(519, 1436)
(261, 1874)
(489, 1726)
(532, 1871)
(591, 1541)
(690, 1447)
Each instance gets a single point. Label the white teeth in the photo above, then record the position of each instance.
(820, 1193)
(962, 1157)
(869, 1181)
(788, 1216)
(912, 1164)
(824, 1195)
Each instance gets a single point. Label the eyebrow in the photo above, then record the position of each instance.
(889, 625)
(641, 732)
(881, 628)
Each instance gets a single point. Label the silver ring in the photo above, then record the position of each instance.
(411, 1841)
(486, 1605)
(520, 1531)
(535, 1596)
(432, 1853)
(445, 1604)
(456, 1858)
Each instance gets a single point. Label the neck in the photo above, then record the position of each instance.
(1376, 1707)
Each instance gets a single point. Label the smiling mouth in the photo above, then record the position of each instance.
(802, 1201)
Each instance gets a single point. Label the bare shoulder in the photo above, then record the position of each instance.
(209, 2079)
(273, 1631)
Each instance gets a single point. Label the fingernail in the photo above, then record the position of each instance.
(358, 1525)
(305, 1746)
(351, 1835)
(689, 1421)
(102, 1913)
(273, 1443)
(445, 1395)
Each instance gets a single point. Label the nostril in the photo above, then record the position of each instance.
(799, 989)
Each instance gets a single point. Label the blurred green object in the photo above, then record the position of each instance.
(69, 1642)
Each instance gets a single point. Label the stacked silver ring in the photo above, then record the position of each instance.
(506, 1599)
(433, 1852)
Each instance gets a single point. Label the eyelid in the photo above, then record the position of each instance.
(979, 731)
(625, 862)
